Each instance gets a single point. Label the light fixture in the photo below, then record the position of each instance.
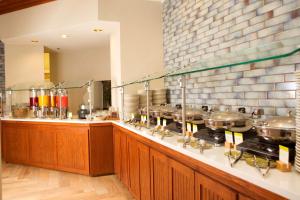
(64, 36)
(97, 30)
(34, 41)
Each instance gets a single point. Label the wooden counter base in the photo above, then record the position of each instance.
(79, 148)
(149, 170)
(153, 171)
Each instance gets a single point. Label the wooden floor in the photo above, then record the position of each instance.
(29, 183)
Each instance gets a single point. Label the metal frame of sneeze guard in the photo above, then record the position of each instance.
(147, 88)
(59, 86)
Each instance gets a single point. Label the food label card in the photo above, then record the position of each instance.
(228, 137)
(195, 128)
(284, 154)
(164, 122)
(158, 121)
(238, 138)
(189, 127)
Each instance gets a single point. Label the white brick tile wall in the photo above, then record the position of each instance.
(200, 29)
(286, 8)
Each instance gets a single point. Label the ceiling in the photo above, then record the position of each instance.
(7, 6)
(78, 36)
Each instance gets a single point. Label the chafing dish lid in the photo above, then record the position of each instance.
(227, 116)
(280, 122)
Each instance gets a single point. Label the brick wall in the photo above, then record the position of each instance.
(2, 69)
(198, 29)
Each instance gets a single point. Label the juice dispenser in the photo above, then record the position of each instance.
(33, 102)
(53, 109)
(44, 102)
(62, 103)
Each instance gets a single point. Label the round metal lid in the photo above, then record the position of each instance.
(281, 122)
(227, 116)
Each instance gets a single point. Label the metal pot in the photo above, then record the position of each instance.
(277, 128)
(234, 121)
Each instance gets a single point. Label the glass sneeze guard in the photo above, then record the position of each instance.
(263, 52)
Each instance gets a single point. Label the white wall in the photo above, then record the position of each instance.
(81, 65)
(140, 41)
(23, 64)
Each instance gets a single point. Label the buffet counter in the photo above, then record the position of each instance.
(285, 184)
(94, 148)
(77, 146)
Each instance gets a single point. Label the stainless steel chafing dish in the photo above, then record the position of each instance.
(234, 121)
(167, 112)
(277, 128)
(192, 115)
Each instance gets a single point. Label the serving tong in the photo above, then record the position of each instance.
(161, 131)
(261, 170)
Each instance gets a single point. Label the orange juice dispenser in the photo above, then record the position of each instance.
(44, 103)
(53, 109)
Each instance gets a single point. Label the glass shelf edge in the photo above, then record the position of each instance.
(212, 68)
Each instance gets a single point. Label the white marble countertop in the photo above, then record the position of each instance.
(75, 121)
(286, 184)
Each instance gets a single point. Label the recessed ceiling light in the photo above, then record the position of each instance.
(64, 36)
(97, 30)
(34, 41)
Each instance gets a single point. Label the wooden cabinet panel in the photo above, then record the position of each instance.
(181, 181)
(145, 172)
(101, 150)
(208, 189)
(72, 149)
(79, 148)
(117, 153)
(134, 167)
(132, 164)
(124, 159)
(159, 176)
(15, 141)
(42, 146)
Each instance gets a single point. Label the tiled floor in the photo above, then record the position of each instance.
(29, 183)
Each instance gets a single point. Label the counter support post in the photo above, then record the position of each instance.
(147, 87)
(122, 104)
(89, 90)
(182, 82)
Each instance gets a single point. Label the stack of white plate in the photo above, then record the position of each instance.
(297, 159)
(159, 97)
(143, 98)
(131, 103)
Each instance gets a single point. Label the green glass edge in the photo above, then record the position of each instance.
(236, 64)
(212, 68)
(50, 88)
